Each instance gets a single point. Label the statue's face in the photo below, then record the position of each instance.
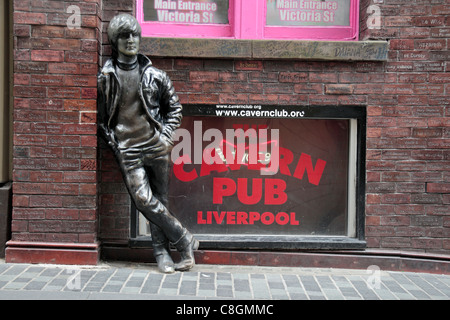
(128, 44)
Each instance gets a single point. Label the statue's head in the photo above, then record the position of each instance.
(124, 33)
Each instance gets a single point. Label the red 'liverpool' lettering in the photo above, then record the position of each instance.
(246, 218)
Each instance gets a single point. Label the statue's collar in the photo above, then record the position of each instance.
(110, 65)
(127, 66)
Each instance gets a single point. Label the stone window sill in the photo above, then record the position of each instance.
(266, 49)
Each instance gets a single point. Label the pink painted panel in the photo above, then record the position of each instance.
(247, 19)
(185, 30)
(313, 31)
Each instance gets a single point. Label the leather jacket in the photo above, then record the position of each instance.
(157, 96)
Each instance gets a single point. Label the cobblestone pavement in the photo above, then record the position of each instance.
(109, 281)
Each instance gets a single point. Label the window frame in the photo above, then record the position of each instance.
(317, 32)
(243, 26)
(355, 237)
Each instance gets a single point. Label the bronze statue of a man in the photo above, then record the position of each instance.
(138, 113)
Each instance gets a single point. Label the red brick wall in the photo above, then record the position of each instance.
(408, 167)
(408, 179)
(55, 142)
(408, 155)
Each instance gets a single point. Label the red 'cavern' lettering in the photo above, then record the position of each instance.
(304, 164)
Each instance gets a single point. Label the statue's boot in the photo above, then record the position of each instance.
(186, 246)
(164, 261)
(161, 250)
(183, 240)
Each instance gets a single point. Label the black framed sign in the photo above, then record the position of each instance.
(268, 177)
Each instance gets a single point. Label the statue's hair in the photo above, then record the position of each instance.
(119, 25)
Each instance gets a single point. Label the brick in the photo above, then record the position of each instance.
(63, 141)
(414, 55)
(339, 89)
(77, 81)
(412, 77)
(64, 92)
(81, 57)
(30, 67)
(395, 220)
(46, 128)
(427, 133)
(428, 155)
(440, 10)
(63, 164)
(395, 242)
(29, 188)
(63, 117)
(80, 177)
(426, 221)
(270, 88)
(29, 18)
(88, 68)
(438, 187)
(88, 117)
(45, 152)
(289, 99)
(47, 55)
(45, 201)
(89, 45)
(22, 79)
(409, 209)
(428, 21)
(19, 226)
(248, 65)
(248, 88)
(295, 77)
(22, 55)
(47, 177)
(28, 214)
(22, 30)
(88, 189)
(402, 44)
(79, 129)
(395, 198)
(54, 44)
(80, 153)
(46, 6)
(430, 44)
(204, 76)
(202, 98)
(46, 226)
(232, 98)
(323, 77)
(89, 93)
(81, 33)
(30, 115)
(63, 189)
(89, 141)
(80, 202)
(47, 32)
(62, 214)
(426, 198)
(398, 89)
(439, 78)
(64, 68)
(30, 92)
(47, 80)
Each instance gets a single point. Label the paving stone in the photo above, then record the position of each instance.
(216, 282)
